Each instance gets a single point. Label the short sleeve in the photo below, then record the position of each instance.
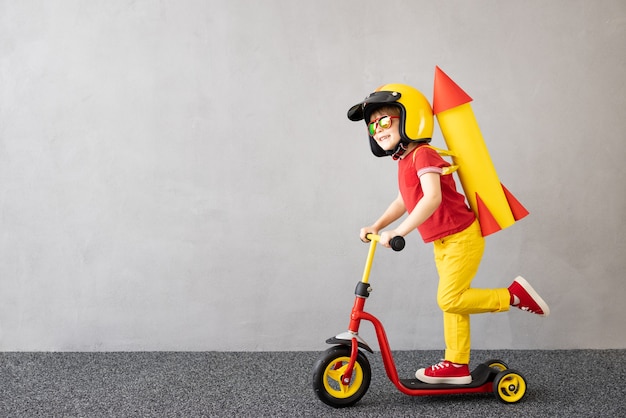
(427, 160)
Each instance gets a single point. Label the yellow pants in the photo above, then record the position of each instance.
(457, 258)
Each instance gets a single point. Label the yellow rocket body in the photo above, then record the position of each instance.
(494, 206)
(476, 171)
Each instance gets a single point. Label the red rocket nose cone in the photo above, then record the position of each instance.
(447, 93)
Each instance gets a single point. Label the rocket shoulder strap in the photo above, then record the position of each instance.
(443, 153)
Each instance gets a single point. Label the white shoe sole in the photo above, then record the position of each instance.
(465, 380)
(533, 294)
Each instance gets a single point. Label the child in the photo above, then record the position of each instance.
(400, 123)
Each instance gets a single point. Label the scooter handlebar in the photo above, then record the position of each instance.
(397, 243)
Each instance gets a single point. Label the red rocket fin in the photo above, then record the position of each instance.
(517, 209)
(488, 224)
(447, 93)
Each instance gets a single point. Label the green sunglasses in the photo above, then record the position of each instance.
(383, 121)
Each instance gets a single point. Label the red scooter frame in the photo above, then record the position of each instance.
(342, 374)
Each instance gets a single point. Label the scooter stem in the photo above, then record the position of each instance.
(370, 258)
(397, 244)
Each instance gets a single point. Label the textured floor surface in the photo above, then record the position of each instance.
(575, 383)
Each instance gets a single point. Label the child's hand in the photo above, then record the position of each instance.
(386, 236)
(367, 230)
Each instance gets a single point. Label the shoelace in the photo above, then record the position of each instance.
(441, 365)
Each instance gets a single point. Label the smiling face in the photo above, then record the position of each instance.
(386, 138)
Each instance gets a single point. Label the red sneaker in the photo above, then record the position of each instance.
(445, 372)
(527, 298)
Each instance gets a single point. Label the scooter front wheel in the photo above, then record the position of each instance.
(328, 372)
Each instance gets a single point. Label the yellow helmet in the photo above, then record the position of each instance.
(416, 114)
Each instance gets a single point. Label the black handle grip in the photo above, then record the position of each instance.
(397, 243)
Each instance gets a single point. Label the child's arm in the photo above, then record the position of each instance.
(395, 210)
(431, 186)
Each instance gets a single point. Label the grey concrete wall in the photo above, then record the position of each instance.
(181, 175)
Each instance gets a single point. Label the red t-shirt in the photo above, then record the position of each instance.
(453, 215)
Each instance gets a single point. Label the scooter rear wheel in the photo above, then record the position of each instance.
(328, 372)
(509, 386)
(496, 364)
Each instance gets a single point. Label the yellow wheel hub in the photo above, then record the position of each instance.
(333, 374)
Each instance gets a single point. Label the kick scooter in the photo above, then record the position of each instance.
(342, 374)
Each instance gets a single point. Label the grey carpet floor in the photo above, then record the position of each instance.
(585, 383)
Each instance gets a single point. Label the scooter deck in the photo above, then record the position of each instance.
(481, 375)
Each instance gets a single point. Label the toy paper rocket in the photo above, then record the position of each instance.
(495, 207)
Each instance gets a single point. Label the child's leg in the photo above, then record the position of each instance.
(456, 332)
(458, 257)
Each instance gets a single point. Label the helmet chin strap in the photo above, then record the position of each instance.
(403, 146)
(399, 151)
